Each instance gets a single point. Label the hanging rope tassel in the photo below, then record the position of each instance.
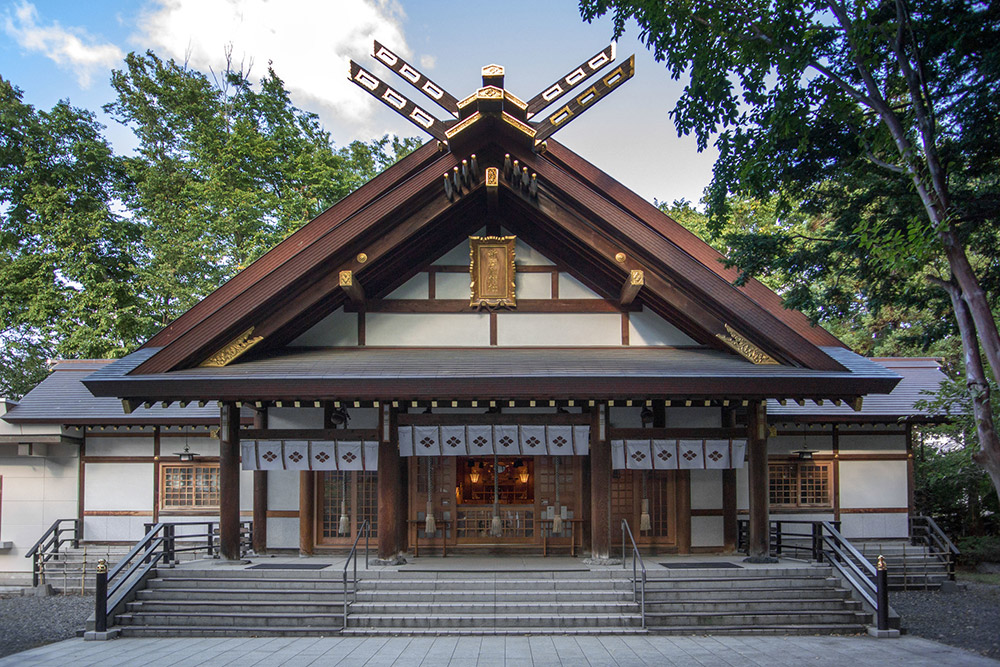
(345, 521)
(644, 522)
(557, 520)
(430, 526)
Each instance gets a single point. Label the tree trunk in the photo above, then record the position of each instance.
(988, 455)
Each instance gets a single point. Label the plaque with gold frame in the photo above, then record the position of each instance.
(492, 271)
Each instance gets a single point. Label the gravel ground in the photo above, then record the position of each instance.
(968, 618)
(27, 622)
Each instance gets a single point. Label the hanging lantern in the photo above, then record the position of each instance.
(522, 476)
(475, 475)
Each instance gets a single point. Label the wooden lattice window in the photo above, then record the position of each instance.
(189, 486)
(360, 491)
(801, 484)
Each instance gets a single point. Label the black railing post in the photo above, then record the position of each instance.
(76, 533)
(882, 594)
(817, 535)
(211, 539)
(777, 538)
(36, 567)
(101, 597)
(168, 544)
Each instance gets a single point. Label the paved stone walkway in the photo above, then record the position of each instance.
(513, 651)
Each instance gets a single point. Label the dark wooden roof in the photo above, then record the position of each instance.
(402, 220)
(61, 398)
(368, 373)
(921, 377)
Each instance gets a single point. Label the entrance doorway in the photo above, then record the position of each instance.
(353, 494)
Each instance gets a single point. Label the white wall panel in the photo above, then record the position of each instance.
(119, 486)
(282, 533)
(887, 525)
(787, 444)
(523, 254)
(295, 418)
(427, 330)
(534, 285)
(414, 288)
(283, 490)
(872, 444)
(558, 329)
(706, 489)
(646, 328)
(138, 445)
(452, 286)
(694, 417)
(707, 531)
(873, 484)
(338, 329)
(571, 288)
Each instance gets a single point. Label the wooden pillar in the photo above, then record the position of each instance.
(260, 494)
(229, 481)
(684, 511)
(759, 483)
(600, 489)
(307, 511)
(729, 510)
(390, 493)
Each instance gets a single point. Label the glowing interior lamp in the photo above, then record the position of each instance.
(475, 476)
(523, 475)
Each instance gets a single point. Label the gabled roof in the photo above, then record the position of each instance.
(584, 220)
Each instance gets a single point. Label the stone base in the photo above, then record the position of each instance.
(882, 634)
(39, 591)
(383, 562)
(94, 636)
(761, 560)
(602, 561)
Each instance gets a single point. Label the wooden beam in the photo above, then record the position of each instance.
(462, 306)
(418, 80)
(353, 289)
(571, 80)
(585, 100)
(630, 289)
(229, 481)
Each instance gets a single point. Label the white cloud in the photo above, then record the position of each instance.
(428, 62)
(72, 48)
(309, 43)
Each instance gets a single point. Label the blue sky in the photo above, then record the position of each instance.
(66, 50)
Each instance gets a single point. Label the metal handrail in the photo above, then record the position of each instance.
(947, 551)
(117, 584)
(365, 529)
(636, 556)
(40, 553)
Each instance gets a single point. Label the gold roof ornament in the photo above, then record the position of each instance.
(744, 347)
(232, 350)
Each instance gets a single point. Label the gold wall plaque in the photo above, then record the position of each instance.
(491, 270)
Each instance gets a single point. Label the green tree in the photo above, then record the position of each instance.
(224, 171)
(67, 258)
(880, 115)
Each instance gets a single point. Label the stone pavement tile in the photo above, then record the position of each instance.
(594, 651)
(621, 651)
(353, 651)
(646, 650)
(492, 651)
(440, 652)
(466, 652)
(180, 651)
(541, 651)
(414, 652)
(389, 653)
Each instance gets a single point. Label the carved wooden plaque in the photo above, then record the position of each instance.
(492, 271)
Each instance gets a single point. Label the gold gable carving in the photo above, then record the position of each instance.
(744, 347)
(491, 271)
(232, 350)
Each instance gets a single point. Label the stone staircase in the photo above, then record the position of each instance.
(494, 602)
(220, 601)
(910, 567)
(774, 600)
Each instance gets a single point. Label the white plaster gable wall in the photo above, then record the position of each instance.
(456, 286)
(558, 329)
(427, 330)
(414, 288)
(528, 285)
(36, 491)
(571, 288)
(646, 328)
(338, 329)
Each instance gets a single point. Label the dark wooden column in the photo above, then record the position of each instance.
(307, 511)
(600, 490)
(729, 514)
(684, 511)
(260, 494)
(229, 481)
(758, 483)
(390, 493)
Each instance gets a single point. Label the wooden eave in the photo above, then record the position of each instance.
(402, 220)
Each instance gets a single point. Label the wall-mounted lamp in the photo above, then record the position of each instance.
(187, 456)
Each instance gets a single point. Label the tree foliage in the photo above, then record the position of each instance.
(877, 119)
(98, 251)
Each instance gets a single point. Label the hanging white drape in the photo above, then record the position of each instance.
(500, 439)
(677, 454)
(310, 454)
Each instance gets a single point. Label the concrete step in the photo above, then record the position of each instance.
(228, 631)
(798, 582)
(770, 629)
(235, 619)
(330, 585)
(486, 608)
(237, 595)
(508, 631)
(746, 594)
(521, 620)
(752, 606)
(226, 606)
(442, 597)
(480, 585)
(758, 618)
